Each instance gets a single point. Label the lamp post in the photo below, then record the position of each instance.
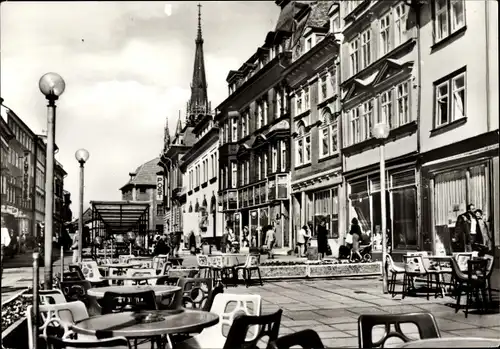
(81, 155)
(52, 86)
(381, 131)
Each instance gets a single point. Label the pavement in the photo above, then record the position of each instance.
(331, 306)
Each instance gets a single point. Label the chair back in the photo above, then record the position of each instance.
(268, 325)
(216, 261)
(253, 261)
(159, 261)
(71, 276)
(113, 302)
(124, 258)
(229, 306)
(144, 264)
(196, 292)
(424, 255)
(75, 290)
(172, 301)
(91, 271)
(477, 268)
(414, 264)
(76, 268)
(58, 343)
(456, 272)
(390, 262)
(462, 259)
(306, 339)
(425, 322)
(202, 260)
(56, 318)
(54, 296)
(140, 272)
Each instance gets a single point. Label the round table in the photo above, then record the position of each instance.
(131, 278)
(160, 290)
(456, 342)
(120, 265)
(129, 325)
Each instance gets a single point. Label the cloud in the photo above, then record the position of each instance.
(128, 68)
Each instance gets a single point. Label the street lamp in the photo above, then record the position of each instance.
(81, 155)
(52, 86)
(381, 131)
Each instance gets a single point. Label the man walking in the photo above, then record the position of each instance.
(74, 247)
(465, 230)
(5, 237)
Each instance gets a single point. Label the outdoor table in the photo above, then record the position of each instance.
(147, 323)
(160, 290)
(135, 278)
(456, 342)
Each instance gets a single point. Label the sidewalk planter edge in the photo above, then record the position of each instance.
(17, 332)
(339, 270)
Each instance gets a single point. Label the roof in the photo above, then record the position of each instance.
(145, 174)
(120, 216)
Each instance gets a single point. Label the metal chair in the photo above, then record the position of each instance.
(306, 339)
(395, 271)
(252, 264)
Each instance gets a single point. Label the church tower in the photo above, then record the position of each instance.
(198, 103)
(166, 137)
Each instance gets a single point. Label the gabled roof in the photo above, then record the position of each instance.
(145, 174)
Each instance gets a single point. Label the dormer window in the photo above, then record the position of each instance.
(309, 43)
(335, 23)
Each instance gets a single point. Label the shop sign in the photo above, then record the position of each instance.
(159, 188)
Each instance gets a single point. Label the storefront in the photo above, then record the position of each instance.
(364, 203)
(451, 183)
(257, 206)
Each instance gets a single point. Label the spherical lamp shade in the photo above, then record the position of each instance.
(82, 155)
(52, 85)
(381, 131)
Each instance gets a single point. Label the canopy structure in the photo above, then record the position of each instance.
(120, 217)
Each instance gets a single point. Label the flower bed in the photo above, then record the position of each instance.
(14, 322)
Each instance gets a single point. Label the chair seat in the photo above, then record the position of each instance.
(396, 269)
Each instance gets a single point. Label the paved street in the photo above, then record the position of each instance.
(331, 307)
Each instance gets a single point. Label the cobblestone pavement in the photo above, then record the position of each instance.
(331, 307)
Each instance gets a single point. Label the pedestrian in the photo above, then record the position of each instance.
(161, 246)
(74, 246)
(483, 232)
(270, 240)
(244, 240)
(302, 237)
(356, 236)
(322, 236)
(465, 230)
(192, 243)
(5, 239)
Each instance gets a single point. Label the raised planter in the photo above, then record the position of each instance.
(284, 272)
(349, 269)
(14, 322)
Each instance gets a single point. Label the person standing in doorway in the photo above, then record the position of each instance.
(74, 247)
(465, 230)
(483, 231)
(302, 238)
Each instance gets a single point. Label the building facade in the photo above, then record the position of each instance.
(316, 171)
(458, 116)
(59, 217)
(254, 142)
(142, 187)
(6, 136)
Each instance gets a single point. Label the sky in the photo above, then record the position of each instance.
(127, 68)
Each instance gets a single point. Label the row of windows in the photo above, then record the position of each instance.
(202, 172)
(21, 136)
(232, 178)
(327, 87)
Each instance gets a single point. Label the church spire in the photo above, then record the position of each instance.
(198, 103)
(178, 129)
(166, 136)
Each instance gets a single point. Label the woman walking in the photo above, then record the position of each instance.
(356, 235)
(322, 236)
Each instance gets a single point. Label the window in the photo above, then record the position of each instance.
(400, 17)
(366, 120)
(298, 103)
(234, 174)
(303, 146)
(403, 103)
(323, 88)
(449, 16)
(307, 105)
(450, 107)
(328, 134)
(159, 210)
(355, 127)
(385, 34)
(274, 158)
(354, 55)
(247, 172)
(279, 106)
(244, 125)
(335, 23)
(226, 132)
(234, 129)
(260, 115)
(366, 58)
(283, 155)
(265, 165)
(386, 109)
(266, 112)
(242, 173)
(259, 167)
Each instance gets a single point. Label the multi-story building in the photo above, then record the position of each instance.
(254, 142)
(59, 218)
(178, 155)
(379, 84)
(458, 115)
(39, 158)
(142, 187)
(316, 173)
(6, 136)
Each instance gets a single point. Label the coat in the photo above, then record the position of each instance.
(322, 239)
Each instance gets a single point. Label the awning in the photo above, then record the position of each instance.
(121, 216)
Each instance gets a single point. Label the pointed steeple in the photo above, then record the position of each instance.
(198, 103)
(166, 136)
(178, 129)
